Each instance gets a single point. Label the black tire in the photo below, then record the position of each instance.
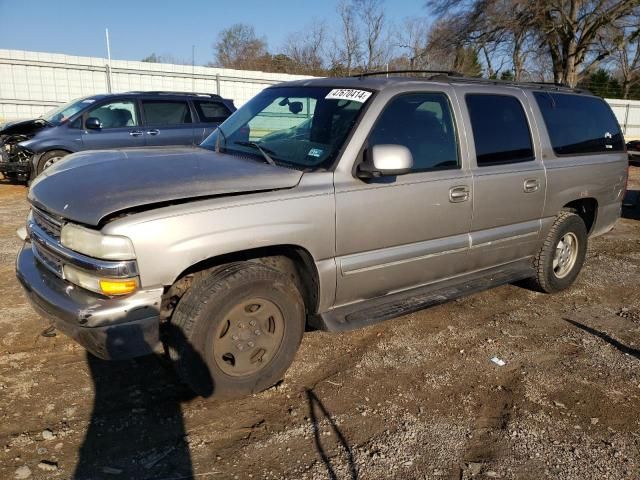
(549, 279)
(46, 157)
(202, 313)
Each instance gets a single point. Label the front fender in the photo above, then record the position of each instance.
(172, 239)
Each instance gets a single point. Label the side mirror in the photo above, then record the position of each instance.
(93, 123)
(295, 107)
(386, 160)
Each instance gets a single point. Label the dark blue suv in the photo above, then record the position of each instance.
(123, 120)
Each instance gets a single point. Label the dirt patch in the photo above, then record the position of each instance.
(416, 397)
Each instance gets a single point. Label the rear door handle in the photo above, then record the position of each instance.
(155, 131)
(531, 185)
(135, 133)
(459, 194)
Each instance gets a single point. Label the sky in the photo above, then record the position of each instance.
(138, 28)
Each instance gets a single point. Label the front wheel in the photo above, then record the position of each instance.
(237, 330)
(560, 259)
(50, 158)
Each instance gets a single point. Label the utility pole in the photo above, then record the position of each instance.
(193, 68)
(109, 79)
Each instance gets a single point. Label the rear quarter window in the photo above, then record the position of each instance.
(211, 111)
(579, 124)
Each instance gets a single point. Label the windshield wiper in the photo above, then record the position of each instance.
(263, 150)
(217, 146)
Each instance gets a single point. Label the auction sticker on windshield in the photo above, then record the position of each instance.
(348, 94)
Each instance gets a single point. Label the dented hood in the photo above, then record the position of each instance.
(23, 127)
(86, 187)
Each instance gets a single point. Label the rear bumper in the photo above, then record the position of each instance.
(110, 328)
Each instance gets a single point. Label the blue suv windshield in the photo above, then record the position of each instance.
(63, 113)
(301, 127)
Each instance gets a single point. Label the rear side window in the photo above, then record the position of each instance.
(423, 123)
(162, 112)
(500, 129)
(211, 111)
(579, 124)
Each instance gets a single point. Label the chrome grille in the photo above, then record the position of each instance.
(47, 258)
(50, 224)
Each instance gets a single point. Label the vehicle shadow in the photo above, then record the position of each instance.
(610, 340)
(631, 205)
(316, 404)
(136, 428)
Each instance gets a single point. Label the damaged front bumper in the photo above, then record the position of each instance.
(15, 160)
(110, 328)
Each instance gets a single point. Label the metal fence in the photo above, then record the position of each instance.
(33, 82)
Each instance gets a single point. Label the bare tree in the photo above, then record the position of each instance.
(449, 50)
(413, 36)
(624, 40)
(347, 46)
(570, 30)
(306, 49)
(372, 16)
(239, 47)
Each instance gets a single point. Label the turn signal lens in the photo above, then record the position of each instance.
(118, 287)
(105, 286)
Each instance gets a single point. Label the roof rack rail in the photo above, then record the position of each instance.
(453, 76)
(495, 81)
(162, 92)
(450, 73)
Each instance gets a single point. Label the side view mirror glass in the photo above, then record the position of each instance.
(93, 123)
(295, 107)
(386, 160)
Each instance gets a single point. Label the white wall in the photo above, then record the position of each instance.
(33, 82)
(628, 114)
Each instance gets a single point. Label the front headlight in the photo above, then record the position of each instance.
(95, 244)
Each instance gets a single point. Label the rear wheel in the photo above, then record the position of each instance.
(50, 158)
(237, 331)
(560, 259)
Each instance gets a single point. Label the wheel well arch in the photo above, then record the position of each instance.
(586, 208)
(38, 156)
(293, 260)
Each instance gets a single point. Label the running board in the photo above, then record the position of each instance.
(368, 312)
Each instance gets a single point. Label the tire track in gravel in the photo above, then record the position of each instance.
(488, 436)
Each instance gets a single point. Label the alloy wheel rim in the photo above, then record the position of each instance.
(249, 337)
(565, 255)
(50, 162)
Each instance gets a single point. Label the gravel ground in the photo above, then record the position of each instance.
(412, 398)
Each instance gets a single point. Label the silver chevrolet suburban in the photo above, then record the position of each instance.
(325, 203)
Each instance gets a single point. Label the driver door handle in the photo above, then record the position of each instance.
(459, 194)
(135, 133)
(531, 185)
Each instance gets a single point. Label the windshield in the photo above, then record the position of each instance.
(300, 127)
(64, 112)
